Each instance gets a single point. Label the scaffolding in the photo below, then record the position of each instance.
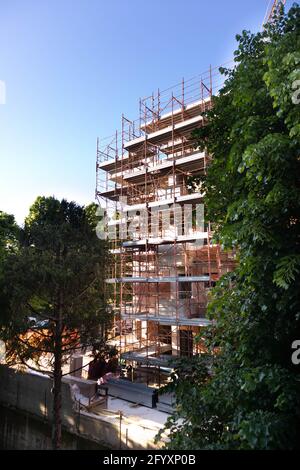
(165, 265)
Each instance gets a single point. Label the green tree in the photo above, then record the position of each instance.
(9, 240)
(250, 397)
(9, 233)
(55, 287)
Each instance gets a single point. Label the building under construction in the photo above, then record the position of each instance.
(164, 260)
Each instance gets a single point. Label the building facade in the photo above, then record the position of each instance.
(165, 262)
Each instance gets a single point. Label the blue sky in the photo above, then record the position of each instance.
(71, 67)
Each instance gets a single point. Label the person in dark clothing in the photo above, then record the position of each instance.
(113, 365)
(97, 368)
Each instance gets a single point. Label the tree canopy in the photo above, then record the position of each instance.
(54, 290)
(250, 397)
(9, 232)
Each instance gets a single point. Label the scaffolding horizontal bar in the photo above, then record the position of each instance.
(162, 320)
(164, 360)
(152, 349)
(189, 107)
(189, 163)
(113, 195)
(166, 240)
(117, 280)
(115, 166)
(164, 133)
(193, 197)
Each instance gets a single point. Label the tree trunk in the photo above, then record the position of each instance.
(57, 380)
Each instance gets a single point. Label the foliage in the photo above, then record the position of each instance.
(59, 265)
(250, 397)
(54, 290)
(9, 233)
(9, 240)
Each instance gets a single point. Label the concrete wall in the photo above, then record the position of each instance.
(31, 393)
(21, 431)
